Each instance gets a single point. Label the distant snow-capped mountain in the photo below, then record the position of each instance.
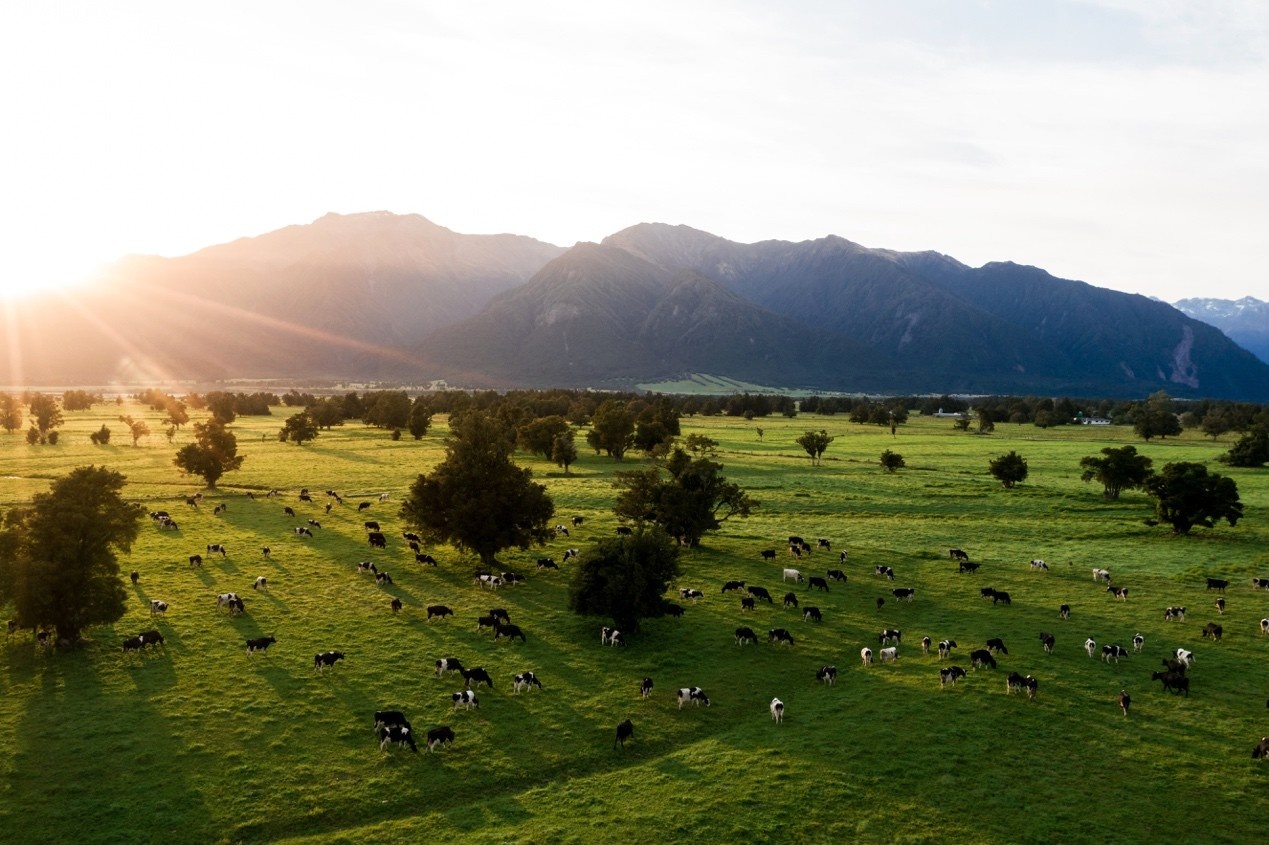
(1245, 321)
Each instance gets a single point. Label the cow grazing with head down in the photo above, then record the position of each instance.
(1264, 625)
(377, 540)
(157, 607)
(326, 659)
(812, 614)
(790, 599)
(301, 531)
(987, 592)
(477, 675)
(511, 632)
(448, 664)
(1138, 642)
(779, 635)
(625, 730)
(957, 554)
(793, 575)
(1211, 629)
(981, 658)
(767, 554)
(759, 593)
(547, 563)
(945, 648)
(401, 735)
(817, 583)
(827, 674)
(746, 603)
(1047, 640)
(890, 635)
(1101, 575)
(261, 584)
(1002, 597)
(950, 675)
(442, 735)
(465, 699)
(733, 585)
(746, 635)
(195, 560)
(966, 566)
(396, 605)
(1260, 583)
(996, 644)
(260, 644)
(1120, 593)
(836, 575)
(645, 688)
(1064, 611)
(524, 681)
(884, 571)
(389, 718)
(904, 593)
(889, 655)
(1036, 563)
(1173, 682)
(695, 695)
(1174, 613)
(1261, 751)
(213, 548)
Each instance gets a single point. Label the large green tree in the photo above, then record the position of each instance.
(612, 429)
(538, 435)
(815, 443)
(1117, 470)
(1009, 469)
(298, 428)
(1186, 495)
(420, 418)
(45, 414)
(564, 449)
(476, 498)
(389, 409)
(136, 428)
(1156, 418)
(1251, 450)
(692, 498)
(625, 578)
(213, 453)
(10, 412)
(58, 561)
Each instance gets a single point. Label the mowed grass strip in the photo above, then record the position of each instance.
(199, 742)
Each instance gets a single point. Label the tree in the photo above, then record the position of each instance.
(538, 435)
(177, 415)
(390, 409)
(1008, 469)
(137, 428)
(213, 453)
(477, 498)
(222, 405)
(58, 557)
(1187, 495)
(79, 400)
(101, 436)
(892, 461)
(612, 429)
(1120, 469)
(625, 578)
(45, 414)
(10, 412)
(986, 425)
(1155, 418)
(420, 419)
(298, 428)
(1251, 450)
(564, 449)
(693, 499)
(815, 443)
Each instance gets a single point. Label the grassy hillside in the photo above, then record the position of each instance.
(201, 743)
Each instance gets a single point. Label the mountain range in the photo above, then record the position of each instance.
(1245, 321)
(386, 297)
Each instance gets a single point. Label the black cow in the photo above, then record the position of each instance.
(377, 540)
(982, 657)
(779, 635)
(1261, 751)
(323, 659)
(396, 605)
(195, 560)
(746, 635)
(1001, 596)
(361, 506)
(997, 644)
(289, 511)
(508, 631)
(733, 585)
(1173, 682)
(904, 593)
(957, 554)
(371, 525)
(135, 576)
(1218, 584)
(768, 554)
(411, 536)
(790, 600)
(425, 559)
(1065, 611)
(578, 520)
(500, 613)
(759, 593)
(966, 566)
(390, 718)
(1047, 640)
(439, 736)
(133, 644)
(812, 614)
(477, 675)
(816, 581)
(836, 575)
(1211, 629)
(625, 730)
(676, 610)
(150, 637)
(260, 644)
(746, 603)
(624, 530)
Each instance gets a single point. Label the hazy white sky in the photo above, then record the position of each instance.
(1121, 142)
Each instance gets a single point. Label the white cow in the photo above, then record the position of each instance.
(777, 710)
(865, 654)
(793, 575)
(889, 655)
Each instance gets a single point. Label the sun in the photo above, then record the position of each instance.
(27, 272)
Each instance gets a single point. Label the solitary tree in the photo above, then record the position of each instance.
(101, 436)
(298, 428)
(1120, 469)
(986, 425)
(1008, 469)
(892, 461)
(420, 419)
(45, 414)
(815, 443)
(1187, 495)
(58, 560)
(176, 413)
(10, 412)
(1251, 450)
(137, 428)
(477, 498)
(624, 578)
(213, 452)
(693, 498)
(564, 449)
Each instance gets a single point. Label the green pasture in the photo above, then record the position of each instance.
(201, 743)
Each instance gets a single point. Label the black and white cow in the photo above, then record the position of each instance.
(779, 635)
(733, 585)
(645, 688)
(996, 644)
(485, 579)
(442, 735)
(213, 548)
(1101, 575)
(777, 710)
(950, 675)
(790, 599)
(1171, 613)
(301, 531)
(1125, 701)
(195, 560)
(477, 675)
(1036, 563)
(842, 557)
(1090, 646)
(823, 543)
(1113, 651)
(957, 554)
(324, 659)
(382, 577)
(890, 635)
(1220, 605)
(945, 648)
(1047, 640)
(401, 735)
(389, 718)
(812, 614)
(884, 571)
(836, 575)
(1120, 593)
(135, 576)
(1264, 625)
(511, 632)
(524, 681)
(260, 644)
(690, 594)
(226, 599)
(265, 550)
(827, 674)
(745, 635)
(865, 656)
(314, 523)
(1064, 611)
(157, 607)
(577, 520)
(424, 558)
(1260, 583)
(547, 563)
(261, 584)
(1138, 642)
(694, 695)
(904, 593)
(980, 658)
(448, 664)
(465, 699)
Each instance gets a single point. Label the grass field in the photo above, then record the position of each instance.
(201, 743)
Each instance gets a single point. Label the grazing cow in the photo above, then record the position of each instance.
(1121, 593)
(390, 718)
(383, 497)
(314, 523)
(1264, 625)
(1125, 701)
(889, 655)
(260, 644)
(195, 560)
(401, 735)
(645, 688)
(157, 607)
(366, 566)
(746, 603)
(377, 540)
(842, 557)
(382, 577)
(304, 496)
(133, 644)
(1113, 651)
(1173, 682)
(926, 642)
(768, 554)
(226, 599)
(219, 509)
(465, 699)
(950, 675)
(425, 559)
(1101, 575)
(578, 520)
(996, 644)
(1261, 751)
(817, 582)
(493, 582)
(301, 531)
(547, 563)
(262, 583)
(982, 657)
(511, 632)
(212, 548)
(1138, 641)
(733, 585)
(793, 575)
(823, 543)
(624, 531)
(1186, 657)
(777, 710)
(625, 730)
(323, 659)
(1220, 606)
(1032, 686)
(827, 674)
(1218, 584)
(957, 554)
(411, 537)
(500, 613)
(525, 680)
(759, 593)
(483, 622)
(945, 648)
(1047, 640)
(836, 575)
(442, 735)
(237, 606)
(135, 576)
(361, 506)
(1211, 629)
(1090, 646)
(1173, 665)
(1036, 563)
(790, 600)
(904, 593)
(795, 540)
(477, 675)
(695, 695)
(676, 610)
(812, 614)
(396, 605)
(885, 571)
(1172, 613)
(569, 554)
(779, 635)
(1001, 596)
(1064, 611)
(880, 603)
(865, 656)
(746, 635)
(890, 635)
(192, 501)
(266, 551)
(289, 511)
(687, 593)
(1260, 583)
(561, 530)
(966, 566)
(1014, 683)
(371, 525)
(987, 592)
(448, 664)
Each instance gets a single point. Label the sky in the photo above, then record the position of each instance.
(1124, 143)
